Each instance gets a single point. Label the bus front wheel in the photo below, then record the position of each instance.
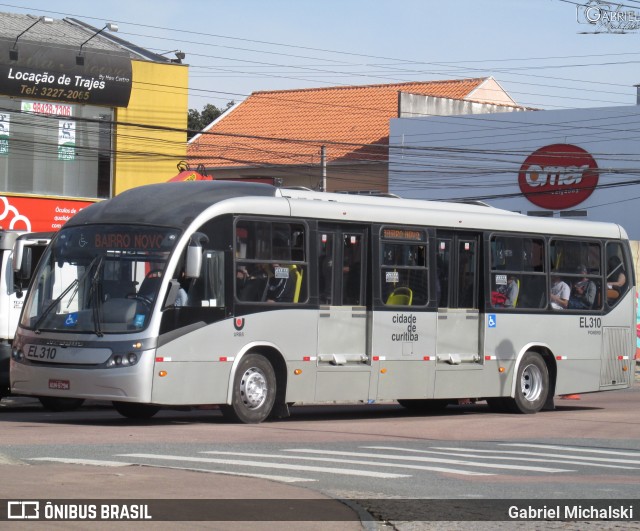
(532, 385)
(254, 391)
(136, 411)
(51, 403)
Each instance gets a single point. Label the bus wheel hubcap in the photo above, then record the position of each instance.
(531, 383)
(253, 388)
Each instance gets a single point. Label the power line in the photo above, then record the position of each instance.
(396, 61)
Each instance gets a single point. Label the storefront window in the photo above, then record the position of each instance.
(54, 148)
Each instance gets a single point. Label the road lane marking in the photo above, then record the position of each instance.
(429, 459)
(355, 462)
(261, 464)
(568, 460)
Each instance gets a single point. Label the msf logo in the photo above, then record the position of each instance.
(23, 510)
(238, 324)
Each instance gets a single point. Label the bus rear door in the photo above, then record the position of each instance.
(458, 329)
(343, 367)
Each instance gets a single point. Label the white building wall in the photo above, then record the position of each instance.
(419, 106)
(481, 156)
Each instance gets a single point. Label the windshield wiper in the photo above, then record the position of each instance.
(96, 292)
(57, 300)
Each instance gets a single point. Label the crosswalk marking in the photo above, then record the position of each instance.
(355, 462)
(369, 460)
(95, 462)
(581, 449)
(6, 460)
(586, 459)
(430, 459)
(272, 477)
(262, 464)
(571, 460)
(73, 461)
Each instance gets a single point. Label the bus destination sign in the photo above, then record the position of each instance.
(403, 234)
(129, 240)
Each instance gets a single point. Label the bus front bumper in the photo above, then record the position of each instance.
(126, 384)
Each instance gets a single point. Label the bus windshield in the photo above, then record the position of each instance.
(99, 279)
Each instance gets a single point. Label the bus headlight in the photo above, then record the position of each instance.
(122, 360)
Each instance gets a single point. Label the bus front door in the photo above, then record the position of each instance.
(343, 364)
(458, 328)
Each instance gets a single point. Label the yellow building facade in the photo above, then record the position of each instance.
(149, 151)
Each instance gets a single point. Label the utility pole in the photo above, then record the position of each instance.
(323, 165)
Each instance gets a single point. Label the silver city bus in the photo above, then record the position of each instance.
(255, 298)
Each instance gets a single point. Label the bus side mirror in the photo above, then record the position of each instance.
(18, 251)
(193, 261)
(22, 266)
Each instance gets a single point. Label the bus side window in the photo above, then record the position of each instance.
(520, 259)
(404, 272)
(325, 267)
(352, 270)
(212, 276)
(443, 261)
(617, 273)
(270, 261)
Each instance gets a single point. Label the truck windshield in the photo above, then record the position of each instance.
(99, 279)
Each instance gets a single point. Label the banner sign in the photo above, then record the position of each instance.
(47, 109)
(558, 176)
(66, 140)
(52, 73)
(38, 214)
(5, 129)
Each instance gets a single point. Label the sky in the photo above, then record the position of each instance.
(536, 49)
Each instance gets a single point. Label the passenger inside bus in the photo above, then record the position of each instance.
(560, 293)
(583, 294)
(251, 281)
(506, 296)
(616, 278)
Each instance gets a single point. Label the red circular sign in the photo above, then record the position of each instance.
(558, 176)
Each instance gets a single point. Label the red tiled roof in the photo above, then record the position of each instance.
(289, 126)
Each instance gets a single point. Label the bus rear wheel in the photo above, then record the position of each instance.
(136, 411)
(254, 391)
(532, 385)
(51, 403)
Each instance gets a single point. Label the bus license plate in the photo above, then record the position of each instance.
(62, 385)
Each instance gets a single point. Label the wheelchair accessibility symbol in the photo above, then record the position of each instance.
(71, 320)
(491, 320)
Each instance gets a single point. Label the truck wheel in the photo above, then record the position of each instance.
(532, 385)
(254, 391)
(136, 411)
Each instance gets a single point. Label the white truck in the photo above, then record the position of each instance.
(14, 280)
(19, 255)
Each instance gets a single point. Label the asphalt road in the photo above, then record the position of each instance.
(588, 449)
